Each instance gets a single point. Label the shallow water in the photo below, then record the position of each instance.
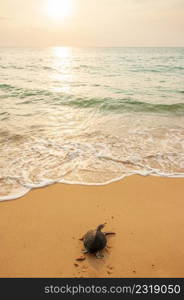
(89, 116)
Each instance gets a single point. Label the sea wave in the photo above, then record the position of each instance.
(89, 116)
(117, 105)
(85, 154)
(46, 183)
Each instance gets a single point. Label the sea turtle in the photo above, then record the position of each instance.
(95, 240)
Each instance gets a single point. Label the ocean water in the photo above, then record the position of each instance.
(89, 116)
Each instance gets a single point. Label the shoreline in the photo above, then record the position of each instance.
(40, 228)
(29, 189)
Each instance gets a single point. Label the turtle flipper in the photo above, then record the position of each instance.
(85, 251)
(99, 255)
(109, 232)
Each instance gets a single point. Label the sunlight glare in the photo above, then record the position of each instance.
(59, 9)
(61, 52)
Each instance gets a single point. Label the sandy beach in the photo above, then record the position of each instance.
(40, 232)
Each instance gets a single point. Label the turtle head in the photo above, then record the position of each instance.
(100, 227)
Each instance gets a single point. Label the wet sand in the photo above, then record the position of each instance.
(40, 232)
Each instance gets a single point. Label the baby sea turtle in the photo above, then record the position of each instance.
(95, 240)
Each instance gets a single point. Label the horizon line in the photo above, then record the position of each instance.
(69, 46)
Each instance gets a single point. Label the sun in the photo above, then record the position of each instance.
(59, 9)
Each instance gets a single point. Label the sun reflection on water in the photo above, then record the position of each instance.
(63, 64)
(62, 52)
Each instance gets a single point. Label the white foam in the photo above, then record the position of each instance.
(46, 183)
(16, 196)
(86, 149)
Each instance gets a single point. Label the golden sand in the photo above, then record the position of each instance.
(40, 232)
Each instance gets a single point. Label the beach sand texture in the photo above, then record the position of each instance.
(40, 232)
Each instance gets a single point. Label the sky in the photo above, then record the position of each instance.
(92, 23)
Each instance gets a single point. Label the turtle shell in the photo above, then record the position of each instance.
(94, 241)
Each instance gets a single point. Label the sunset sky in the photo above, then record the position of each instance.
(92, 23)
